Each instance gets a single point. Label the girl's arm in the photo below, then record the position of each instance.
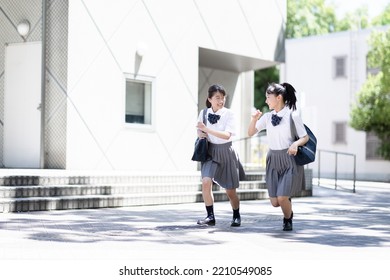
(220, 134)
(252, 125)
(293, 149)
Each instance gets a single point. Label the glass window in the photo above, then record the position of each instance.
(372, 145)
(340, 67)
(138, 102)
(340, 133)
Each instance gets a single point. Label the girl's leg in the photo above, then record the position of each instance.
(207, 185)
(285, 203)
(208, 199)
(235, 203)
(274, 201)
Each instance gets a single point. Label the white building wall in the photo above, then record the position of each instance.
(103, 40)
(239, 88)
(324, 99)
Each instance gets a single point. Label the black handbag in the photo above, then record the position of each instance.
(307, 153)
(201, 151)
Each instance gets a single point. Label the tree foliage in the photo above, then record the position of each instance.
(309, 17)
(371, 113)
(379, 56)
(354, 20)
(316, 17)
(383, 18)
(262, 79)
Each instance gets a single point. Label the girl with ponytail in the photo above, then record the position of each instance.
(283, 175)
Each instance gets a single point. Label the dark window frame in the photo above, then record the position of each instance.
(340, 66)
(139, 102)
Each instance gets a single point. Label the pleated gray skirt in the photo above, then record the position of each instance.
(283, 176)
(224, 167)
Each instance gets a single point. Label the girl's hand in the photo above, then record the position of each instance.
(252, 125)
(293, 149)
(201, 130)
(201, 126)
(256, 114)
(202, 134)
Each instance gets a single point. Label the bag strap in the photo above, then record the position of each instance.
(204, 116)
(293, 129)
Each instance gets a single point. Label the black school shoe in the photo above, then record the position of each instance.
(210, 221)
(288, 224)
(236, 222)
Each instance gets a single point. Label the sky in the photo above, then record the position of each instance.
(375, 7)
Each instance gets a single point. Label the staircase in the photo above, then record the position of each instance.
(22, 193)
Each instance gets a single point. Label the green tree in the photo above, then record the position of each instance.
(383, 18)
(356, 20)
(262, 79)
(379, 56)
(309, 17)
(371, 113)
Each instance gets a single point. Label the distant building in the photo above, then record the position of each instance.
(328, 71)
(117, 85)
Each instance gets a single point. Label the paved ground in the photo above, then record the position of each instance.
(336, 234)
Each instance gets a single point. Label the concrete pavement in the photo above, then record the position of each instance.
(332, 229)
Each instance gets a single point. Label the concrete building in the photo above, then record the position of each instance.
(328, 71)
(117, 85)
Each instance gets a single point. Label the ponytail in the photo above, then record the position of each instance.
(286, 90)
(289, 96)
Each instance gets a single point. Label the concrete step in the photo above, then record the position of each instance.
(60, 190)
(122, 200)
(21, 193)
(50, 180)
(111, 189)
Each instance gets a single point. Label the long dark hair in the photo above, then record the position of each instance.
(287, 91)
(213, 90)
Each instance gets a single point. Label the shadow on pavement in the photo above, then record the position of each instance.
(328, 218)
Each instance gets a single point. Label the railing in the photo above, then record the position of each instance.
(337, 154)
(252, 151)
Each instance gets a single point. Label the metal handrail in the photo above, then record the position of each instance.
(336, 169)
(247, 158)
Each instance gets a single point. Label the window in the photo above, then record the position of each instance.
(340, 132)
(372, 145)
(340, 66)
(138, 102)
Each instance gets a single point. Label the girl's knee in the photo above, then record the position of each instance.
(283, 199)
(231, 193)
(206, 182)
(274, 202)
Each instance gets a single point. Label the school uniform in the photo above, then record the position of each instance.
(224, 166)
(283, 176)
